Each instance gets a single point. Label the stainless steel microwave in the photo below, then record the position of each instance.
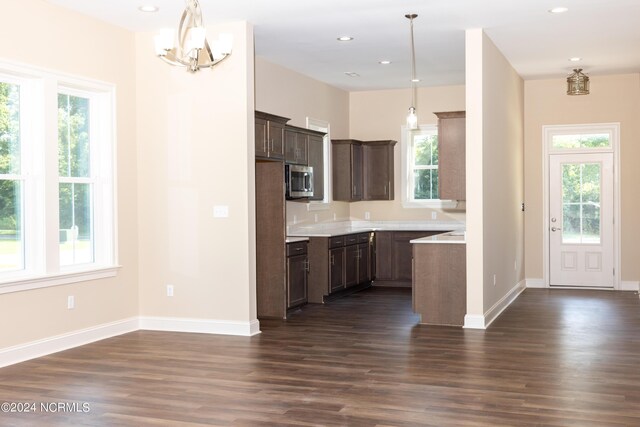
(298, 181)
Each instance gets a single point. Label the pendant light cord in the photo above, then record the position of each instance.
(413, 61)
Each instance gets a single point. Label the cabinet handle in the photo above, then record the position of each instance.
(298, 249)
(385, 189)
(333, 260)
(307, 266)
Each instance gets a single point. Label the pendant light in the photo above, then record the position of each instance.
(412, 118)
(578, 83)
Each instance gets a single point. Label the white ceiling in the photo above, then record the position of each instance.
(301, 34)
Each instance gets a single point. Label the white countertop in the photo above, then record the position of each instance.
(353, 227)
(459, 237)
(296, 239)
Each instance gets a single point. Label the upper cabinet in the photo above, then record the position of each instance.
(451, 155)
(295, 146)
(269, 135)
(377, 166)
(362, 170)
(346, 156)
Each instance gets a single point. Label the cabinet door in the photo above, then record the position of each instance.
(290, 145)
(276, 140)
(336, 269)
(451, 155)
(315, 156)
(297, 269)
(261, 138)
(356, 172)
(378, 171)
(301, 149)
(351, 265)
(403, 253)
(363, 263)
(384, 255)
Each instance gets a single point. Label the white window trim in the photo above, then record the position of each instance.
(325, 203)
(42, 267)
(406, 176)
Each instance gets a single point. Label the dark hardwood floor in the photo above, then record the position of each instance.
(554, 358)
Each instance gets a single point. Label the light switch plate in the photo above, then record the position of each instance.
(221, 211)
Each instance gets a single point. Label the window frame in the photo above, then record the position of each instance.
(407, 181)
(39, 159)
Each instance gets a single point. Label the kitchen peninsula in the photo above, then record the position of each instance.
(440, 278)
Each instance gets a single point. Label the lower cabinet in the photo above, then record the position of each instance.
(393, 256)
(297, 274)
(338, 263)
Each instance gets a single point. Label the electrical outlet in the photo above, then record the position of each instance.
(434, 215)
(335, 217)
(315, 217)
(295, 219)
(494, 280)
(71, 302)
(515, 265)
(367, 215)
(169, 290)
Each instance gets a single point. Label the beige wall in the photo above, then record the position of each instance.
(380, 115)
(290, 94)
(195, 145)
(503, 174)
(613, 98)
(494, 174)
(72, 43)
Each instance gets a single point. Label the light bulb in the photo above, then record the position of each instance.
(412, 119)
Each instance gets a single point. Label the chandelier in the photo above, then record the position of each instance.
(412, 118)
(578, 83)
(190, 48)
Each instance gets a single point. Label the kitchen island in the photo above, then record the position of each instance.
(440, 278)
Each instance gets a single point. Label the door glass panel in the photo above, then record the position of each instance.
(596, 140)
(581, 203)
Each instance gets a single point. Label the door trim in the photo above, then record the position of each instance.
(547, 132)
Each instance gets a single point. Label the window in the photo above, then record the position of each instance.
(57, 216)
(11, 180)
(420, 169)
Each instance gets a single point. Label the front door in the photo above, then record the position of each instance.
(581, 248)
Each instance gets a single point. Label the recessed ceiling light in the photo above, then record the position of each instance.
(148, 8)
(575, 59)
(345, 38)
(384, 62)
(558, 10)
(415, 80)
(352, 74)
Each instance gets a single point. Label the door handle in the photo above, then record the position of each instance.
(556, 228)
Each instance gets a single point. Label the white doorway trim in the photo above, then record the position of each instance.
(613, 129)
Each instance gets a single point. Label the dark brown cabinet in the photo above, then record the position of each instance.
(451, 155)
(393, 256)
(336, 268)
(377, 163)
(297, 274)
(346, 155)
(362, 170)
(338, 263)
(269, 135)
(295, 146)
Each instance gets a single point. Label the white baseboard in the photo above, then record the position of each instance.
(46, 346)
(476, 321)
(630, 286)
(535, 283)
(43, 347)
(497, 309)
(206, 326)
